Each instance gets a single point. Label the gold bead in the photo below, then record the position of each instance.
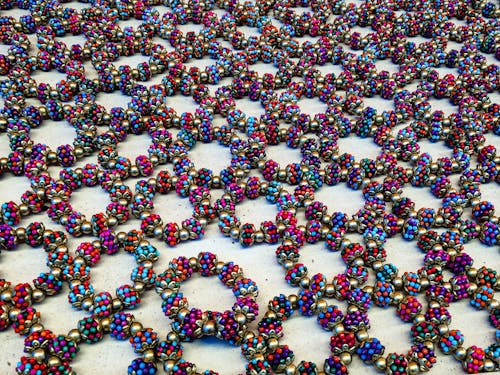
(172, 336)
(290, 370)
(321, 305)
(412, 368)
(272, 344)
(380, 364)
(39, 354)
(193, 263)
(117, 304)
(209, 327)
(53, 361)
(489, 365)
(270, 314)
(460, 353)
(305, 282)
(36, 328)
(472, 273)
(248, 335)
(494, 304)
(346, 358)
(339, 328)
(38, 295)
(368, 289)
(398, 282)
(106, 324)
(183, 234)
(419, 318)
(148, 355)
(75, 335)
(472, 288)
(362, 335)
(443, 329)
(168, 366)
(24, 210)
(352, 309)
(135, 327)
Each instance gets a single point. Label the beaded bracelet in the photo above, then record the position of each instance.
(264, 352)
(193, 323)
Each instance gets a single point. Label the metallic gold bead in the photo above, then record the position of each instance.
(419, 318)
(149, 355)
(424, 282)
(412, 368)
(345, 242)
(181, 314)
(235, 233)
(281, 175)
(352, 309)
(290, 370)
(203, 222)
(270, 314)
(135, 327)
(134, 171)
(158, 233)
(460, 353)
(339, 328)
(209, 327)
(443, 328)
(37, 327)
(79, 152)
(24, 209)
(112, 222)
(472, 273)
(13, 313)
(429, 345)
(472, 288)
(106, 324)
(346, 358)
(51, 157)
(305, 282)
(489, 365)
(362, 335)
(193, 263)
(20, 234)
(37, 295)
(321, 305)
(240, 318)
(183, 234)
(494, 304)
(380, 364)
(53, 361)
(39, 354)
(293, 300)
(259, 236)
(87, 304)
(168, 366)
(117, 304)
(86, 227)
(216, 181)
(139, 287)
(75, 282)
(434, 305)
(248, 335)
(272, 344)
(56, 272)
(172, 336)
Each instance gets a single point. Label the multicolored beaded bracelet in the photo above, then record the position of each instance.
(194, 323)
